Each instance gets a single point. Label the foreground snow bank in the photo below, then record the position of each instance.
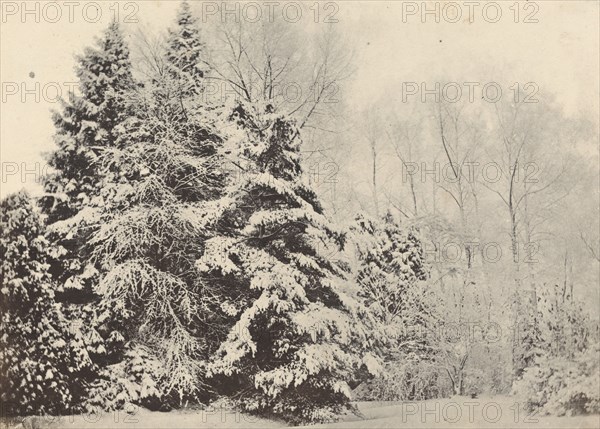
(457, 412)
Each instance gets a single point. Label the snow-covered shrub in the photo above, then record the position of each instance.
(391, 263)
(565, 379)
(406, 380)
(560, 386)
(565, 324)
(38, 361)
(390, 272)
(136, 380)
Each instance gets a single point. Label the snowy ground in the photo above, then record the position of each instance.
(459, 412)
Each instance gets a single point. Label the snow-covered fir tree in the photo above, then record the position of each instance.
(186, 53)
(175, 74)
(157, 200)
(293, 332)
(87, 123)
(90, 121)
(390, 274)
(40, 359)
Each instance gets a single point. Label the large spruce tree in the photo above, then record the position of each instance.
(293, 332)
(150, 233)
(91, 121)
(88, 122)
(159, 184)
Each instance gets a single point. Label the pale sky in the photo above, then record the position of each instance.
(560, 53)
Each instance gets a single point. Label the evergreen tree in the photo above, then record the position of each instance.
(38, 363)
(294, 334)
(172, 93)
(90, 122)
(157, 201)
(186, 53)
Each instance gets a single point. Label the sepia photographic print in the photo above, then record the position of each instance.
(268, 214)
